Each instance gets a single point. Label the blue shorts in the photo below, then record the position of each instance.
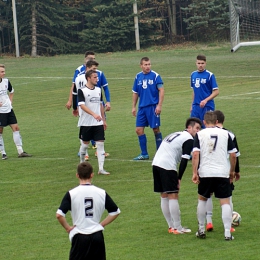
(199, 112)
(146, 117)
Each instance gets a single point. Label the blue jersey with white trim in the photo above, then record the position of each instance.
(146, 86)
(203, 83)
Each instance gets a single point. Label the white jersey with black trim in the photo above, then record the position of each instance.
(214, 145)
(87, 203)
(5, 87)
(80, 83)
(173, 147)
(91, 98)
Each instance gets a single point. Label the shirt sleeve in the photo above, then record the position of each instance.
(196, 143)
(10, 87)
(111, 206)
(65, 205)
(81, 98)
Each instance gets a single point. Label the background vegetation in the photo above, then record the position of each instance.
(66, 26)
(31, 188)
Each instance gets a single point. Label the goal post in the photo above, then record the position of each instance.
(244, 23)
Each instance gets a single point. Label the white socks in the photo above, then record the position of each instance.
(209, 208)
(201, 212)
(82, 150)
(226, 218)
(100, 155)
(18, 141)
(2, 145)
(166, 212)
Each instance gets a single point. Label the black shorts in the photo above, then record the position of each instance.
(165, 181)
(219, 186)
(7, 119)
(96, 133)
(90, 246)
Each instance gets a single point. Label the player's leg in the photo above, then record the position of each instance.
(157, 180)
(12, 122)
(154, 122)
(204, 189)
(209, 208)
(141, 123)
(224, 192)
(84, 137)
(99, 137)
(2, 145)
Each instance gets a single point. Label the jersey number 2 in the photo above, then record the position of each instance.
(89, 207)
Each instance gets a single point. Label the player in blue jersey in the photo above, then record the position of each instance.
(205, 89)
(148, 88)
(89, 55)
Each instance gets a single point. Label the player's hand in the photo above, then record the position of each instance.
(97, 117)
(75, 112)
(68, 105)
(195, 178)
(105, 125)
(158, 109)
(203, 103)
(107, 106)
(237, 176)
(70, 228)
(134, 111)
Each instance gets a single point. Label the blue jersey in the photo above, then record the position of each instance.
(203, 84)
(102, 81)
(146, 86)
(79, 70)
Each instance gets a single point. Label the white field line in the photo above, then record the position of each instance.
(166, 77)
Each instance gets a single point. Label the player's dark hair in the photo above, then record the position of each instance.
(192, 121)
(201, 57)
(89, 53)
(2, 65)
(91, 63)
(84, 170)
(220, 116)
(210, 117)
(144, 59)
(89, 73)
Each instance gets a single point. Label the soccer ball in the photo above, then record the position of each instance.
(236, 219)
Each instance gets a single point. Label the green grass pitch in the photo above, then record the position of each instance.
(31, 188)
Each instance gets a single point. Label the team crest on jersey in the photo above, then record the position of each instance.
(144, 84)
(197, 83)
(150, 82)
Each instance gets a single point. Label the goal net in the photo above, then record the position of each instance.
(244, 23)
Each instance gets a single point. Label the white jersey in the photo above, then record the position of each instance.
(173, 147)
(91, 98)
(80, 83)
(5, 87)
(87, 203)
(214, 145)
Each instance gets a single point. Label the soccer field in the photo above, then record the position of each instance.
(32, 188)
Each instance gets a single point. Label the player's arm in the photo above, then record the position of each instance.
(186, 151)
(113, 211)
(69, 103)
(61, 212)
(214, 93)
(11, 91)
(134, 102)
(192, 99)
(232, 157)
(102, 110)
(195, 159)
(104, 85)
(158, 109)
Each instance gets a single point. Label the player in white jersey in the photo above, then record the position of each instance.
(175, 148)
(209, 205)
(87, 204)
(212, 171)
(7, 115)
(92, 119)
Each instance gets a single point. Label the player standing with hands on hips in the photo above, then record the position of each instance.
(148, 88)
(205, 89)
(87, 204)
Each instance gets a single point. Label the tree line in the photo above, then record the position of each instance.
(53, 27)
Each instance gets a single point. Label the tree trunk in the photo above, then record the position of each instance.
(171, 7)
(34, 36)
